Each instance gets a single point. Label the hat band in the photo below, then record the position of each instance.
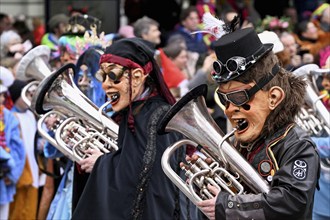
(110, 58)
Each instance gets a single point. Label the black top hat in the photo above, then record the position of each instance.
(236, 53)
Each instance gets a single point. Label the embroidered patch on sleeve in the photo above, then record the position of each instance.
(299, 169)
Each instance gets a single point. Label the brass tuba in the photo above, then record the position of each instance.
(85, 125)
(228, 170)
(314, 116)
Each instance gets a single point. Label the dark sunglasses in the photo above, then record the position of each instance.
(101, 75)
(241, 97)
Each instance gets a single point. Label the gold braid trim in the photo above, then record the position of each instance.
(273, 143)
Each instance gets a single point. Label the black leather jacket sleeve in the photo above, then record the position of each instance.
(292, 187)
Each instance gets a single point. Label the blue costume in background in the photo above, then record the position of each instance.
(322, 197)
(60, 207)
(194, 42)
(15, 158)
(90, 58)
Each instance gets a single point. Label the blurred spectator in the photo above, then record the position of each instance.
(12, 46)
(192, 56)
(282, 53)
(5, 23)
(127, 31)
(326, 89)
(246, 10)
(228, 14)
(322, 197)
(324, 57)
(6, 79)
(25, 201)
(21, 27)
(12, 154)
(56, 27)
(10, 63)
(147, 29)
(291, 49)
(38, 30)
(270, 37)
(309, 39)
(179, 56)
(189, 21)
(173, 62)
(325, 19)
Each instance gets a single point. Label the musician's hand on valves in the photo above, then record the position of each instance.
(51, 121)
(208, 206)
(87, 164)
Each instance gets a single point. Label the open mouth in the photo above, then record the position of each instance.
(242, 125)
(114, 98)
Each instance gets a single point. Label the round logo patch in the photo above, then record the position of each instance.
(299, 169)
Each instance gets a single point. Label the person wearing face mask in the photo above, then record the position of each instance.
(29, 181)
(129, 183)
(261, 100)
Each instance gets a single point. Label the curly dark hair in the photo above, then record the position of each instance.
(293, 87)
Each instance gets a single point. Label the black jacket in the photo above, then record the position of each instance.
(130, 183)
(290, 163)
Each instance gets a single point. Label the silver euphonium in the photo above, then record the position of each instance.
(227, 169)
(86, 126)
(34, 66)
(314, 116)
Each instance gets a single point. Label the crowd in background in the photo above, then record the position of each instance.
(32, 174)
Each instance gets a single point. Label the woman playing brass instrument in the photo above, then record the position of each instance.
(130, 183)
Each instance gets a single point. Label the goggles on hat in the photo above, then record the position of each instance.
(235, 66)
(241, 97)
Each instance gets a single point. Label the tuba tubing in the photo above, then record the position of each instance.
(57, 92)
(312, 98)
(43, 132)
(190, 117)
(26, 89)
(82, 139)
